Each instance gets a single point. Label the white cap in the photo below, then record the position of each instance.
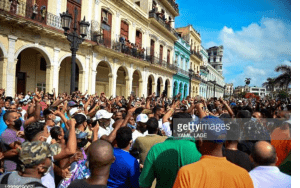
(103, 114)
(239, 101)
(142, 118)
(73, 111)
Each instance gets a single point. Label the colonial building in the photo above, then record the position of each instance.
(34, 51)
(215, 83)
(229, 90)
(190, 35)
(215, 55)
(181, 81)
(203, 74)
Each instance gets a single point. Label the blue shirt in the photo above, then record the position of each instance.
(3, 125)
(124, 172)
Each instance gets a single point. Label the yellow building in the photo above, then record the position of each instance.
(34, 51)
(196, 61)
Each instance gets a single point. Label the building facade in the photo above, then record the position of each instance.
(215, 55)
(34, 51)
(229, 90)
(193, 37)
(215, 83)
(203, 74)
(181, 80)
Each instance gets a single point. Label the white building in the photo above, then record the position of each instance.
(215, 84)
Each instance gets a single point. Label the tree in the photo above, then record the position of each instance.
(284, 79)
(270, 83)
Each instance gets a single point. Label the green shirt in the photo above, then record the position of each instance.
(165, 159)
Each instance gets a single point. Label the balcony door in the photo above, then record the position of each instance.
(161, 52)
(168, 57)
(71, 5)
(106, 25)
(124, 29)
(138, 38)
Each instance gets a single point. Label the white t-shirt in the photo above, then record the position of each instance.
(160, 123)
(137, 134)
(167, 129)
(23, 112)
(107, 130)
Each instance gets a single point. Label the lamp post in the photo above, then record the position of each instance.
(191, 72)
(74, 39)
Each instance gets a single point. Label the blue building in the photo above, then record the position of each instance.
(182, 61)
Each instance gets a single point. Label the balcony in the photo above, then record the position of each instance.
(155, 61)
(171, 6)
(174, 5)
(163, 24)
(193, 52)
(184, 72)
(31, 17)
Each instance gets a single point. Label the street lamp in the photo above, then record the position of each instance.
(191, 72)
(74, 38)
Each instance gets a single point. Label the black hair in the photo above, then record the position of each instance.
(262, 160)
(33, 129)
(183, 116)
(55, 132)
(46, 112)
(6, 115)
(124, 136)
(243, 114)
(156, 108)
(79, 118)
(152, 125)
(138, 111)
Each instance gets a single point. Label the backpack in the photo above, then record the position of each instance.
(34, 183)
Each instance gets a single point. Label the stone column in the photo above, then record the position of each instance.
(86, 75)
(92, 87)
(81, 81)
(141, 85)
(112, 83)
(11, 66)
(56, 68)
(49, 78)
(128, 81)
(3, 66)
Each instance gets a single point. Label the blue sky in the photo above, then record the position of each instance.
(256, 34)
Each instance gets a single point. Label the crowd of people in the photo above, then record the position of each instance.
(81, 140)
(130, 48)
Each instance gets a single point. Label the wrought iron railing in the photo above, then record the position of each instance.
(32, 12)
(163, 22)
(174, 5)
(155, 61)
(184, 72)
(197, 54)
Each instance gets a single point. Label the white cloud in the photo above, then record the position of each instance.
(268, 40)
(254, 51)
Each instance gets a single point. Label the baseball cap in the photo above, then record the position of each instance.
(33, 153)
(103, 114)
(239, 101)
(73, 111)
(142, 118)
(72, 104)
(217, 135)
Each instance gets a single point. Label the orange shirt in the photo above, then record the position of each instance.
(213, 172)
(281, 140)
